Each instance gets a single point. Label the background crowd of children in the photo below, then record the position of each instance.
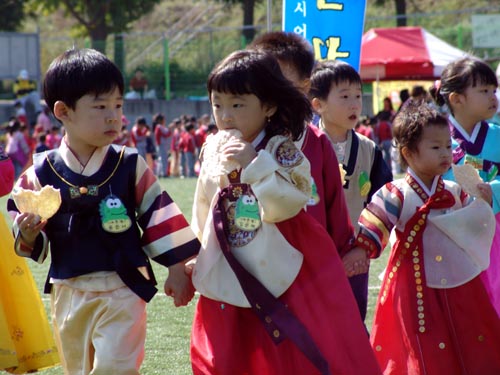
(170, 149)
(23, 140)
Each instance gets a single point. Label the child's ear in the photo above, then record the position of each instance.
(455, 98)
(406, 153)
(61, 111)
(271, 110)
(316, 104)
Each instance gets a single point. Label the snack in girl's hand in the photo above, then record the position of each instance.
(215, 162)
(468, 178)
(43, 203)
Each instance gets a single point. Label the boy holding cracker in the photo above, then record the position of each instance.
(112, 219)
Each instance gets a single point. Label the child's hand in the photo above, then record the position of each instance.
(240, 151)
(356, 262)
(486, 192)
(29, 227)
(178, 285)
(189, 268)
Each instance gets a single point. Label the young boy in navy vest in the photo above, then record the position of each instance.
(113, 218)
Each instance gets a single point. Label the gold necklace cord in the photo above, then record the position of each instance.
(75, 186)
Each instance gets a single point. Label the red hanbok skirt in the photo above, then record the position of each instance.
(231, 340)
(450, 331)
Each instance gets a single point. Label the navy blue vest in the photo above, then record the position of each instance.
(78, 243)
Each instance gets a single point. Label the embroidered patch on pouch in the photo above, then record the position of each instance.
(237, 237)
(247, 216)
(474, 161)
(364, 184)
(314, 199)
(287, 155)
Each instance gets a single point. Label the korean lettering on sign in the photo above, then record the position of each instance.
(334, 28)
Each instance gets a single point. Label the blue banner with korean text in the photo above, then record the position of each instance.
(334, 28)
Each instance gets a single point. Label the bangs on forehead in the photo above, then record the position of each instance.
(347, 75)
(100, 81)
(89, 71)
(483, 75)
(339, 73)
(347, 80)
(234, 79)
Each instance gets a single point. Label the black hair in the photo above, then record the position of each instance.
(404, 95)
(418, 91)
(13, 126)
(79, 72)
(158, 118)
(289, 48)
(141, 120)
(409, 124)
(329, 72)
(258, 73)
(460, 74)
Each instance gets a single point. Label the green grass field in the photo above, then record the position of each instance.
(167, 344)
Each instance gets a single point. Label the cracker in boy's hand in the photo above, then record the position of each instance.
(43, 203)
(468, 178)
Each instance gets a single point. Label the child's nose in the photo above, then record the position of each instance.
(227, 116)
(112, 118)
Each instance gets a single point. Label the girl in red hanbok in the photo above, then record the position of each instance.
(433, 314)
(274, 296)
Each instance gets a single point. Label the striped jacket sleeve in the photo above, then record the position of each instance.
(378, 218)
(167, 237)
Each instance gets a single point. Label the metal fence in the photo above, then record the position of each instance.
(177, 61)
(176, 67)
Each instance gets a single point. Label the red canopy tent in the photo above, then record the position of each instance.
(404, 53)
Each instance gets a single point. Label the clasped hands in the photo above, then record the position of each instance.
(356, 262)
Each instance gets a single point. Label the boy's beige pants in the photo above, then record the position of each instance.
(99, 333)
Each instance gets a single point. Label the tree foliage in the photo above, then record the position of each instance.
(400, 10)
(99, 18)
(248, 7)
(11, 14)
